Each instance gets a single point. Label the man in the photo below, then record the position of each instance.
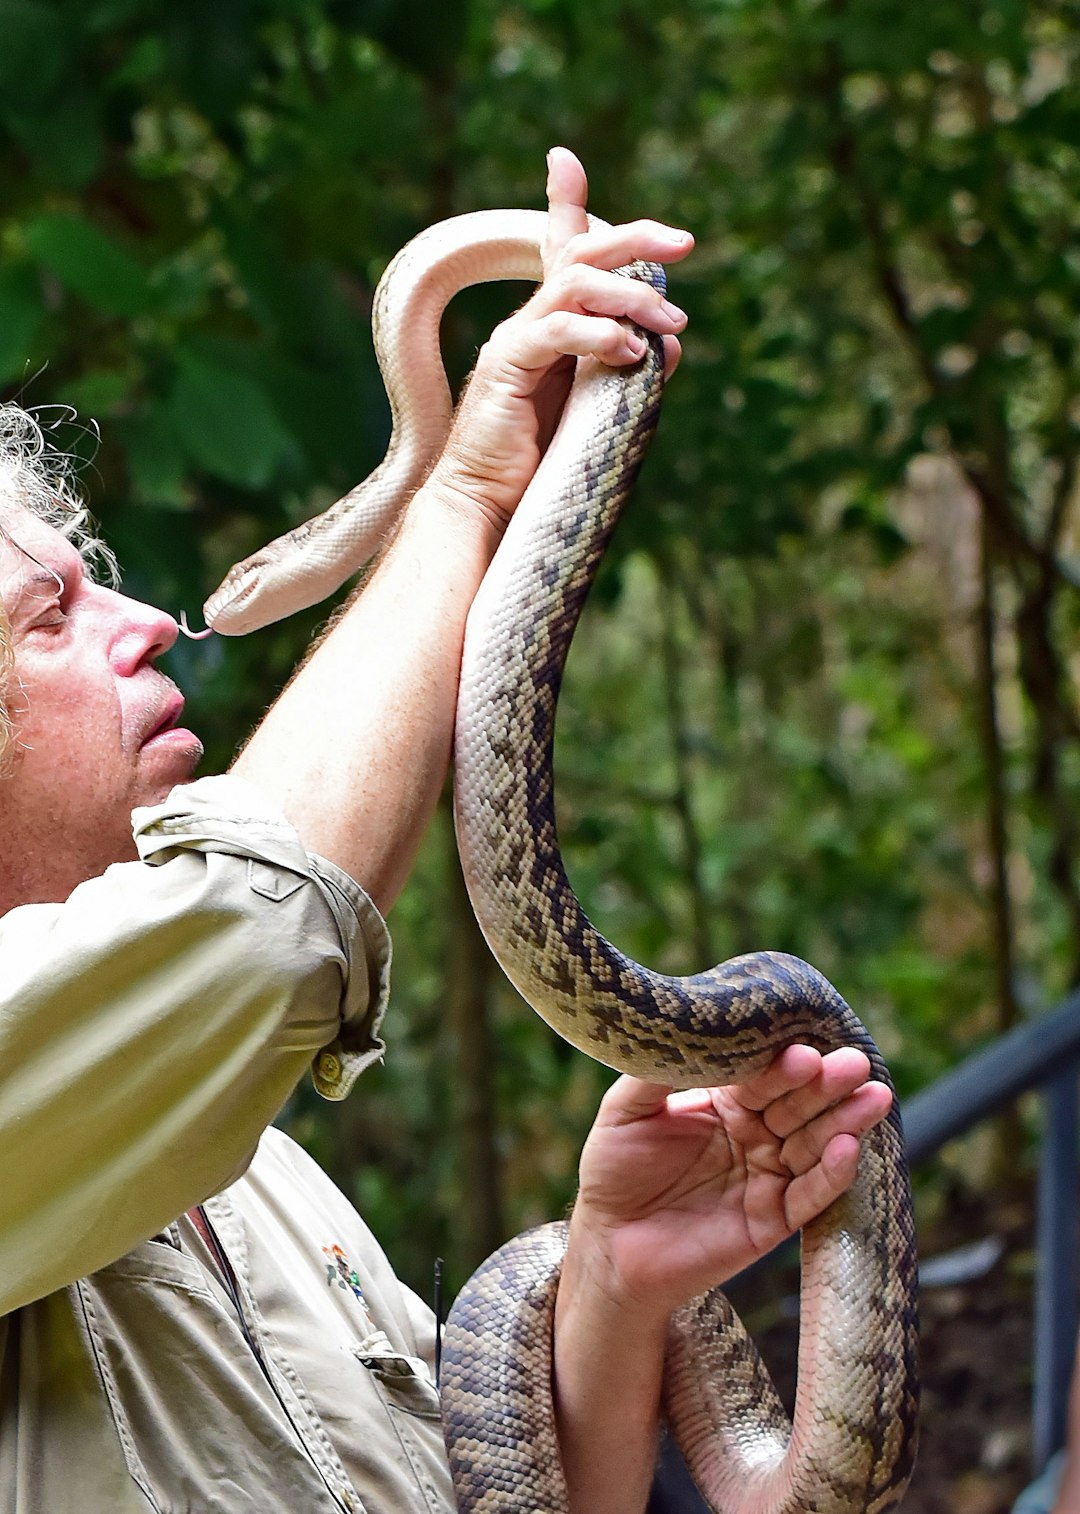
(193, 1318)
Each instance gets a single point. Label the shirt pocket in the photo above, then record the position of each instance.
(411, 1400)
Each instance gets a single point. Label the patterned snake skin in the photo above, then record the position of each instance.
(851, 1444)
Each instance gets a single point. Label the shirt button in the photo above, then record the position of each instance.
(329, 1067)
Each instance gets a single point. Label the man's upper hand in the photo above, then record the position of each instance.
(524, 370)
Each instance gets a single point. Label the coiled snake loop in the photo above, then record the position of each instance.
(850, 1447)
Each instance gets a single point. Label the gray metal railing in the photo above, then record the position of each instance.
(1041, 1054)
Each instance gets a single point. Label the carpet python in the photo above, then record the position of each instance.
(850, 1446)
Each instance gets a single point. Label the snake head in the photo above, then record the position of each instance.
(234, 609)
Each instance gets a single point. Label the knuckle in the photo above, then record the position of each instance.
(493, 350)
(573, 285)
(557, 326)
(492, 346)
(578, 249)
(610, 332)
(565, 281)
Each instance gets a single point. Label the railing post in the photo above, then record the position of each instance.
(1056, 1237)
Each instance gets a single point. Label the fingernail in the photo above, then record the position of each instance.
(636, 344)
(673, 313)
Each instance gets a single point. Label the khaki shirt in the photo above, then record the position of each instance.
(150, 1028)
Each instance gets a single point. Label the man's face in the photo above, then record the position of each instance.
(96, 725)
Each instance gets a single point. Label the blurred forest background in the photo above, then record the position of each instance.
(825, 699)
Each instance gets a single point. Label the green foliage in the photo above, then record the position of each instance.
(772, 732)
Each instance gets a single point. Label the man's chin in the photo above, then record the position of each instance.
(169, 759)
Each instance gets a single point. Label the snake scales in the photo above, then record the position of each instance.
(851, 1444)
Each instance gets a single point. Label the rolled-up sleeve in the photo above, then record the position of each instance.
(154, 1024)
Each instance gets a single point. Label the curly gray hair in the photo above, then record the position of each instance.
(38, 476)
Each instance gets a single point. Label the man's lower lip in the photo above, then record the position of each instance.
(173, 733)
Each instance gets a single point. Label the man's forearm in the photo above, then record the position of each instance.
(356, 748)
(609, 1361)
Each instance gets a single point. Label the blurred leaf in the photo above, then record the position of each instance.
(97, 394)
(33, 56)
(226, 422)
(65, 137)
(89, 263)
(21, 318)
(156, 460)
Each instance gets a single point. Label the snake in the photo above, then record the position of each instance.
(849, 1445)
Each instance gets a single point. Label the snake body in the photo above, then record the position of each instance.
(850, 1446)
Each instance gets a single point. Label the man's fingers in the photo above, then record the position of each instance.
(793, 1069)
(569, 240)
(593, 291)
(672, 354)
(812, 1192)
(567, 194)
(629, 1099)
(801, 1084)
(580, 311)
(858, 1113)
(533, 345)
(612, 246)
(570, 245)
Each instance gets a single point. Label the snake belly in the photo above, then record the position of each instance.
(851, 1443)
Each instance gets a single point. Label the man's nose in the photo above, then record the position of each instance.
(143, 633)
